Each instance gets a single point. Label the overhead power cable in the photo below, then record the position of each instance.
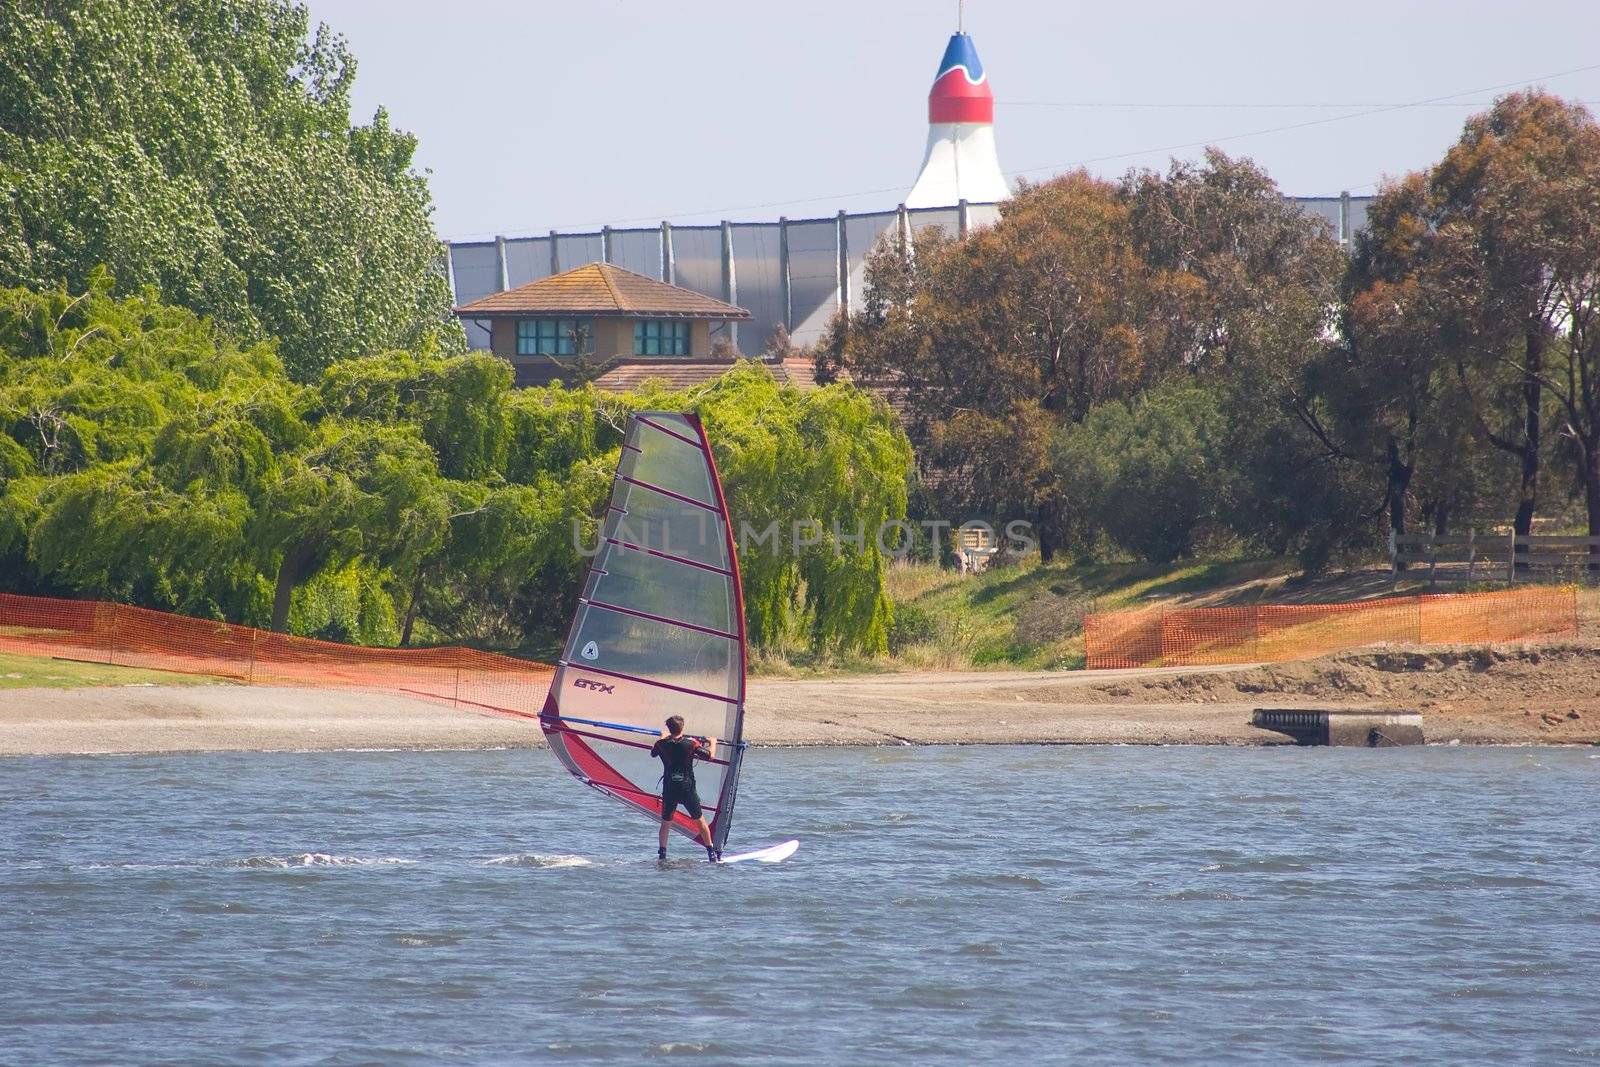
(1365, 112)
(1380, 110)
(1124, 105)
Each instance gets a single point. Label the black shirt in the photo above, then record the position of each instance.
(678, 754)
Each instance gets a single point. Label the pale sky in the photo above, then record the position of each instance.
(545, 115)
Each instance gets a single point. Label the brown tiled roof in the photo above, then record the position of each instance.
(800, 372)
(626, 376)
(601, 289)
(674, 374)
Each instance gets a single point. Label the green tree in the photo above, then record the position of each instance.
(1396, 390)
(1087, 293)
(1500, 209)
(1245, 285)
(145, 456)
(1469, 318)
(833, 465)
(458, 403)
(359, 490)
(207, 150)
(994, 339)
(1151, 473)
(113, 496)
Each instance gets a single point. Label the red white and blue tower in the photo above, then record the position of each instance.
(960, 162)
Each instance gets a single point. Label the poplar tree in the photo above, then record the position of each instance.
(207, 150)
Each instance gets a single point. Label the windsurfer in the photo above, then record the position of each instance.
(677, 753)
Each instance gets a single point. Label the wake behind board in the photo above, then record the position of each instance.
(771, 854)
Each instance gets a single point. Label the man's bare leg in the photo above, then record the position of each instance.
(661, 839)
(705, 839)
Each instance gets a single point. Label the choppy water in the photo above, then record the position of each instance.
(947, 906)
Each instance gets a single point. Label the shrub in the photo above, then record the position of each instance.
(911, 626)
(1151, 474)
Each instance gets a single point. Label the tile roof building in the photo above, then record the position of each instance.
(600, 317)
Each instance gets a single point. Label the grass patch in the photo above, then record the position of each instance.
(1030, 616)
(39, 672)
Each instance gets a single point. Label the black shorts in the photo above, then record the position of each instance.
(672, 796)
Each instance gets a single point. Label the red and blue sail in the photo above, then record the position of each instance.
(659, 629)
(960, 90)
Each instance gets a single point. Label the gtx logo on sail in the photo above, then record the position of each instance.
(589, 683)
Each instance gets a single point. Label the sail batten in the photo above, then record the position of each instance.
(664, 555)
(666, 430)
(648, 681)
(642, 484)
(659, 618)
(659, 627)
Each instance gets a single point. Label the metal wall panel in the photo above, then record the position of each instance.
(979, 215)
(577, 249)
(813, 277)
(946, 218)
(1358, 216)
(527, 259)
(697, 259)
(477, 272)
(638, 251)
(755, 264)
(861, 235)
(1324, 207)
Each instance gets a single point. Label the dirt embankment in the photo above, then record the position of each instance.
(1547, 693)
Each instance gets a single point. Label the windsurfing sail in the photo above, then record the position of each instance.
(659, 629)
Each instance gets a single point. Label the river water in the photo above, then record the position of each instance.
(947, 905)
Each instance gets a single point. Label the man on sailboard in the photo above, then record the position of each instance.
(677, 754)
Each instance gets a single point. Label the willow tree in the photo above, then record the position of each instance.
(357, 490)
(131, 458)
(816, 482)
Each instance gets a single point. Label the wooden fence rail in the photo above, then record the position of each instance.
(1475, 557)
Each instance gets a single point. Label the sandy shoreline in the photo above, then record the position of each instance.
(1201, 706)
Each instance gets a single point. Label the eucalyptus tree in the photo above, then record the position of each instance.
(1471, 313)
(1507, 207)
(1087, 293)
(994, 340)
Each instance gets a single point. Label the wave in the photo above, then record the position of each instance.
(996, 881)
(297, 860)
(318, 859)
(535, 859)
(111, 866)
(1199, 894)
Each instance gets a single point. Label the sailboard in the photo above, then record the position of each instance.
(770, 854)
(659, 630)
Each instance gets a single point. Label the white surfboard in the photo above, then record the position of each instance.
(770, 854)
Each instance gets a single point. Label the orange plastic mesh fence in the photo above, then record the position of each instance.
(1159, 637)
(124, 636)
